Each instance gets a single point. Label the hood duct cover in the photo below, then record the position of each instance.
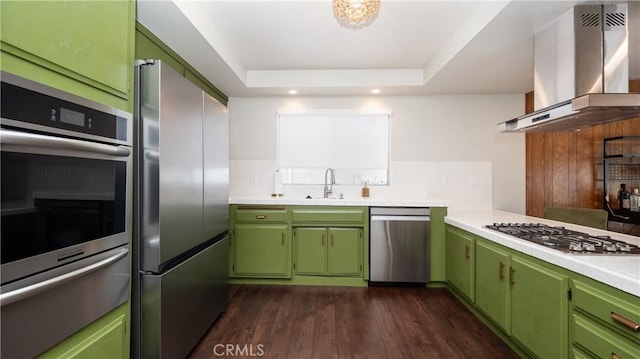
(581, 72)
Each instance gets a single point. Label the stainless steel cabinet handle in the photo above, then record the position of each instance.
(9, 137)
(625, 321)
(501, 271)
(512, 280)
(26, 292)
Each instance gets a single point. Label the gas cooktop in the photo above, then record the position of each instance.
(565, 240)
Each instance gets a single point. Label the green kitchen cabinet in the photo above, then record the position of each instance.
(108, 337)
(539, 308)
(532, 308)
(460, 261)
(604, 321)
(527, 300)
(492, 283)
(344, 253)
(328, 251)
(260, 244)
(310, 253)
(83, 47)
(261, 251)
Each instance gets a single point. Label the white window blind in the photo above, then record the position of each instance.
(355, 145)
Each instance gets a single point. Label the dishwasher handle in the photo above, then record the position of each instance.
(401, 218)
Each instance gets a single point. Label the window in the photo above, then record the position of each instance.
(355, 145)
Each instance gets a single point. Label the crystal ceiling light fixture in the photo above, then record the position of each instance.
(355, 13)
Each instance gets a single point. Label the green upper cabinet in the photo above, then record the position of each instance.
(492, 284)
(539, 308)
(83, 47)
(460, 261)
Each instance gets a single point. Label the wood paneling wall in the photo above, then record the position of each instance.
(565, 169)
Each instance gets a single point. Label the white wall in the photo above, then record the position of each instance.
(442, 147)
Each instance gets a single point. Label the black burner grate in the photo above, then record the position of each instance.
(565, 240)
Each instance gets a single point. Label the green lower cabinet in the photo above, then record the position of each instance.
(310, 251)
(260, 251)
(539, 308)
(106, 338)
(604, 320)
(526, 300)
(579, 354)
(344, 255)
(460, 261)
(600, 342)
(492, 283)
(328, 251)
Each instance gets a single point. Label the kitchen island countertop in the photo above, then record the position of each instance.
(619, 271)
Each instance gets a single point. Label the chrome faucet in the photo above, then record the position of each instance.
(328, 183)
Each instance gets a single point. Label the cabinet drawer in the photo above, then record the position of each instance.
(620, 310)
(600, 341)
(261, 214)
(332, 216)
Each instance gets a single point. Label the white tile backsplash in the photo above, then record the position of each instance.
(464, 184)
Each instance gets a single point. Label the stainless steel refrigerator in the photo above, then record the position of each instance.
(181, 212)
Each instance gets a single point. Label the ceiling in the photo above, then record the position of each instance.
(265, 48)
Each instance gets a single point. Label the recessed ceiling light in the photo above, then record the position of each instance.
(375, 91)
(292, 92)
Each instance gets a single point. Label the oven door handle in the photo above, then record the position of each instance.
(10, 137)
(28, 291)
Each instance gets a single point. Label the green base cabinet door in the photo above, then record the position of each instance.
(539, 308)
(460, 261)
(260, 251)
(310, 246)
(492, 284)
(328, 251)
(344, 252)
(106, 338)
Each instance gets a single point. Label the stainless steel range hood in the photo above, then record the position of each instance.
(581, 66)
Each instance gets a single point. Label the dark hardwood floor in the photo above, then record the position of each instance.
(342, 322)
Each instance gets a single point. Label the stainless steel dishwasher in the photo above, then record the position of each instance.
(399, 246)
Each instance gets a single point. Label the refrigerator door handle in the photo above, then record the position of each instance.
(26, 292)
(153, 156)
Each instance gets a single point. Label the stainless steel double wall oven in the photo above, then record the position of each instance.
(66, 214)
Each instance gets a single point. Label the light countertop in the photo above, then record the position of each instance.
(348, 201)
(618, 271)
